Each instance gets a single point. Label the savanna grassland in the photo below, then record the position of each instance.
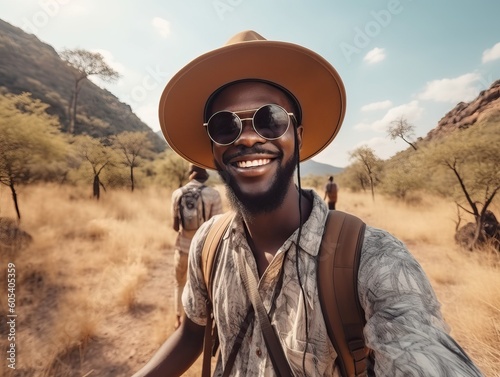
(94, 288)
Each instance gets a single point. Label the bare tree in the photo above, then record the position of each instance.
(132, 147)
(472, 158)
(98, 156)
(403, 129)
(86, 64)
(370, 163)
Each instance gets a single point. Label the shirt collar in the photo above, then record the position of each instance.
(194, 183)
(312, 229)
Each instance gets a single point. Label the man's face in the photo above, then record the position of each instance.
(257, 172)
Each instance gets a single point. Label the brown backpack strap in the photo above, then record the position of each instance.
(274, 347)
(344, 317)
(211, 246)
(208, 256)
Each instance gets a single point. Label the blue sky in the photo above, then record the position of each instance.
(411, 58)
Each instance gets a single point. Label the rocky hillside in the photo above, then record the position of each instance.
(29, 65)
(465, 115)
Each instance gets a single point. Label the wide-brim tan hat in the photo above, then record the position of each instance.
(313, 81)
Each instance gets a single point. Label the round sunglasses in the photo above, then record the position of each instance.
(269, 121)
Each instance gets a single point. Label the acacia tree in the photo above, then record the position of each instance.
(85, 64)
(403, 129)
(171, 169)
(403, 174)
(354, 177)
(29, 140)
(98, 156)
(471, 161)
(132, 146)
(370, 163)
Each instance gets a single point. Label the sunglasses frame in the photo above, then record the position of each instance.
(255, 111)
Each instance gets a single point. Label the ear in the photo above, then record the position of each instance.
(299, 130)
(176, 223)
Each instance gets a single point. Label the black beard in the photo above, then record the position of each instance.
(250, 205)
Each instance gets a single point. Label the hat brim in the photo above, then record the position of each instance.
(309, 77)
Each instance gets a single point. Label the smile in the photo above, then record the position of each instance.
(253, 163)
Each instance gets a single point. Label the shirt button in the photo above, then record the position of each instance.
(258, 352)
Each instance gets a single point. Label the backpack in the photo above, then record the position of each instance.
(338, 257)
(191, 208)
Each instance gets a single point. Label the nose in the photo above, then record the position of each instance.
(248, 136)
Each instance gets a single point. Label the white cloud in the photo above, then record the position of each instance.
(362, 126)
(454, 90)
(374, 56)
(162, 26)
(377, 106)
(492, 53)
(411, 111)
(78, 10)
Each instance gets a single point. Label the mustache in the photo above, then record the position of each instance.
(241, 151)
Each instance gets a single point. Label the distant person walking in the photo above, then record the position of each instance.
(192, 205)
(331, 190)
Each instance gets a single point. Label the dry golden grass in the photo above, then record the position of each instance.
(94, 289)
(86, 267)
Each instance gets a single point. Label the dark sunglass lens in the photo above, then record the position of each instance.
(271, 121)
(224, 127)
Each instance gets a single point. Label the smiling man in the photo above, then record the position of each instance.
(252, 110)
(258, 171)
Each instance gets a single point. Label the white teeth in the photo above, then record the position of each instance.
(253, 163)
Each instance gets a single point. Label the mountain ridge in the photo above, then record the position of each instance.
(466, 114)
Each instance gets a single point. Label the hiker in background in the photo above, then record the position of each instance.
(192, 205)
(252, 110)
(331, 190)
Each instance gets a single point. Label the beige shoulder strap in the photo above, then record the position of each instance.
(211, 247)
(208, 256)
(339, 257)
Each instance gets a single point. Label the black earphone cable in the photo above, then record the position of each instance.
(299, 234)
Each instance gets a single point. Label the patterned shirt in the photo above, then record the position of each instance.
(213, 206)
(404, 326)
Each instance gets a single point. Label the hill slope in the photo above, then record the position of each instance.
(29, 65)
(311, 167)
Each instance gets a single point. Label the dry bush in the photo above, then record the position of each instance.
(78, 324)
(127, 281)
